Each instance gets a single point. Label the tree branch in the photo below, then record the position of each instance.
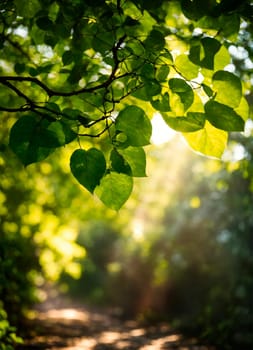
(14, 110)
(17, 91)
(99, 134)
(50, 92)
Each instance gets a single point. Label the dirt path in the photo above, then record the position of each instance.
(80, 328)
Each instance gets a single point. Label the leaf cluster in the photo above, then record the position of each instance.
(78, 70)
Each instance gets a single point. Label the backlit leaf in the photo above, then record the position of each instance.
(161, 102)
(230, 25)
(114, 189)
(209, 141)
(119, 164)
(136, 158)
(243, 109)
(192, 122)
(223, 117)
(186, 67)
(228, 88)
(202, 53)
(183, 90)
(222, 58)
(133, 121)
(162, 73)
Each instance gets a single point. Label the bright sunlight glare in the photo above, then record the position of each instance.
(161, 131)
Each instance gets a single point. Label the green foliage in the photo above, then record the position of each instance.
(88, 167)
(8, 337)
(72, 71)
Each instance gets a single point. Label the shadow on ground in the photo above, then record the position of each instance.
(74, 328)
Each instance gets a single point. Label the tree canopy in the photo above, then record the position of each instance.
(93, 73)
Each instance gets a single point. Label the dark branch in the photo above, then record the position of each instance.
(99, 134)
(17, 91)
(51, 92)
(15, 110)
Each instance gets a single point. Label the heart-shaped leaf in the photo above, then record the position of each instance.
(114, 189)
(88, 167)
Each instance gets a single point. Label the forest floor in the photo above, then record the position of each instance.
(65, 326)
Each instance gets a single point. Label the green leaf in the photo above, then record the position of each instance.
(27, 9)
(136, 158)
(193, 9)
(67, 57)
(162, 73)
(118, 163)
(147, 71)
(186, 67)
(222, 58)
(51, 106)
(209, 92)
(45, 23)
(162, 103)
(51, 38)
(155, 41)
(33, 71)
(114, 189)
(141, 94)
(243, 109)
(228, 88)
(71, 113)
(55, 134)
(202, 53)
(183, 90)
(19, 68)
(76, 73)
(103, 42)
(133, 121)
(230, 26)
(209, 141)
(223, 117)
(24, 140)
(152, 87)
(88, 167)
(192, 122)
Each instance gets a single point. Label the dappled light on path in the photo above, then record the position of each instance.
(67, 314)
(77, 328)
